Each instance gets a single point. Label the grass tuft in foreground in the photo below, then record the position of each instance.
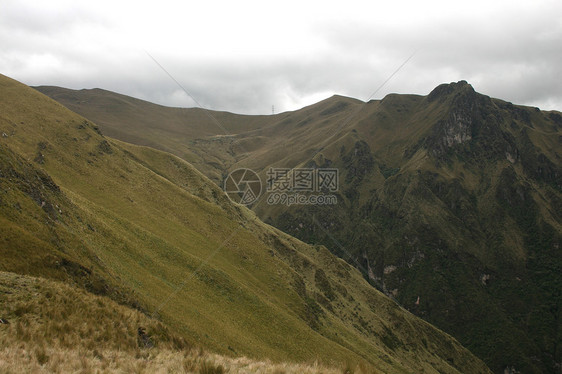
(55, 328)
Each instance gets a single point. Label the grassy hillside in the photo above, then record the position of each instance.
(50, 327)
(170, 129)
(453, 198)
(148, 230)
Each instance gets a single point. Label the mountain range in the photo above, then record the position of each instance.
(97, 229)
(449, 203)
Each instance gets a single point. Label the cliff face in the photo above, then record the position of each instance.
(458, 126)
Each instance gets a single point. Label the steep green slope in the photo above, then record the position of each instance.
(146, 228)
(451, 203)
(453, 197)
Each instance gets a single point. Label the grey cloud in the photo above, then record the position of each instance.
(510, 56)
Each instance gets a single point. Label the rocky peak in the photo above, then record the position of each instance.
(465, 113)
(445, 90)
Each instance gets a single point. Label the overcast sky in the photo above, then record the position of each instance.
(245, 56)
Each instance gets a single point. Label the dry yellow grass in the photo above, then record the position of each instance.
(28, 358)
(55, 328)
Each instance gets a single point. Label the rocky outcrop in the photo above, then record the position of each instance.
(463, 119)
